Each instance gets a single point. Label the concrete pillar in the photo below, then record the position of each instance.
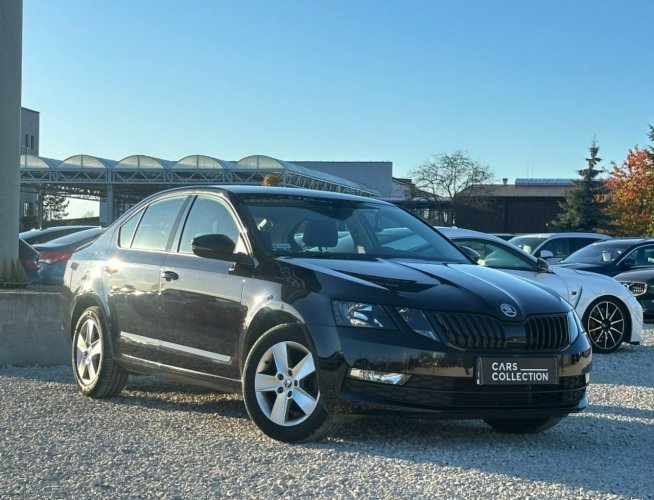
(11, 40)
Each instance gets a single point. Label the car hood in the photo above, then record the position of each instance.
(592, 283)
(424, 285)
(638, 275)
(581, 266)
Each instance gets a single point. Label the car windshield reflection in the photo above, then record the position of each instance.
(299, 227)
(596, 255)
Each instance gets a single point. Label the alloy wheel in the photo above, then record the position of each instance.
(285, 384)
(606, 326)
(88, 351)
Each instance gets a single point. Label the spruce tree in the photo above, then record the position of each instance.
(584, 205)
(54, 207)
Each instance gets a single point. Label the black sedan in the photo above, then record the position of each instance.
(641, 284)
(37, 236)
(315, 305)
(54, 254)
(613, 257)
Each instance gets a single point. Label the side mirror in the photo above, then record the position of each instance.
(218, 247)
(542, 265)
(472, 254)
(628, 263)
(545, 254)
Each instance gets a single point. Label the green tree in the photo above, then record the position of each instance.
(584, 208)
(54, 207)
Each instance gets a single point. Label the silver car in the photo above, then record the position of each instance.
(554, 247)
(610, 314)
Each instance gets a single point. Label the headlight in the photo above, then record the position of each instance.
(417, 321)
(363, 315)
(575, 325)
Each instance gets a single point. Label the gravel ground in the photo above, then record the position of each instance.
(160, 440)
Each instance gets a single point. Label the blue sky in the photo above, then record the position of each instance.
(522, 86)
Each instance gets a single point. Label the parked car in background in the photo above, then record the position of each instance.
(554, 247)
(613, 257)
(314, 305)
(29, 259)
(610, 314)
(36, 236)
(641, 284)
(54, 254)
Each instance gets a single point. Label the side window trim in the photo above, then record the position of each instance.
(174, 226)
(225, 202)
(137, 216)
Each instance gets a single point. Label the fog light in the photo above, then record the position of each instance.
(381, 377)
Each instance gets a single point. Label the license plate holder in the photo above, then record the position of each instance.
(517, 371)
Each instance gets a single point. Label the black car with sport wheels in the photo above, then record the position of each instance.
(315, 305)
(641, 284)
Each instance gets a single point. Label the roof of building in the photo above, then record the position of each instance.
(91, 174)
(540, 190)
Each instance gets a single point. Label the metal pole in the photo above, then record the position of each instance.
(11, 39)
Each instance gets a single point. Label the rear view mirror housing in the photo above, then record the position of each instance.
(218, 247)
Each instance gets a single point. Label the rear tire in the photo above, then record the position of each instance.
(96, 373)
(280, 387)
(523, 425)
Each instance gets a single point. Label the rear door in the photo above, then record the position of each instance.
(133, 274)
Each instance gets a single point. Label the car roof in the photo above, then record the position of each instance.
(563, 234)
(245, 189)
(620, 242)
(459, 232)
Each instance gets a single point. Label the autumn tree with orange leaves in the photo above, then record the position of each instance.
(631, 188)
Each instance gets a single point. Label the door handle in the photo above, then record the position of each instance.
(169, 275)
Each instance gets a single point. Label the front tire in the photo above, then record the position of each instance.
(606, 324)
(280, 387)
(96, 373)
(523, 425)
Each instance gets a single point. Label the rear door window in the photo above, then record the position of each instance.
(156, 225)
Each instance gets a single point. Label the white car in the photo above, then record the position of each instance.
(610, 314)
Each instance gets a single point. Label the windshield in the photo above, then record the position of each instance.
(337, 228)
(527, 243)
(604, 253)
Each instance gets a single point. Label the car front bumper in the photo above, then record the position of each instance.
(438, 379)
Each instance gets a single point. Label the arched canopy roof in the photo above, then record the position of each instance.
(193, 162)
(138, 162)
(79, 162)
(33, 161)
(259, 162)
(77, 170)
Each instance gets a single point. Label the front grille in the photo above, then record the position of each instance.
(547, 332)
(635, 287)
(474, 331)
(471, 331)
(436, 392)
